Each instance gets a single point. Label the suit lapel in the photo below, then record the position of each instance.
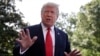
(41, 40)
(57, 41)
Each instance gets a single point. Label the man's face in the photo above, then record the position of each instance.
(49, 15)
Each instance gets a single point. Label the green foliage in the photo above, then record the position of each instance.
(66, 22)
(10, 21)
(84, 29)
(87, 33)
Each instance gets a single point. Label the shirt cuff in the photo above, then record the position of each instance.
(22, 52)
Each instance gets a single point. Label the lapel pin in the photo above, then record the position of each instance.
(58, 33)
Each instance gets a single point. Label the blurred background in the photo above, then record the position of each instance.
(79, 18)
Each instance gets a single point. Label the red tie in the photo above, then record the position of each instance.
(48, 45)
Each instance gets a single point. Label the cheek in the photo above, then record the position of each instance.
(55, 18)
(43, 17)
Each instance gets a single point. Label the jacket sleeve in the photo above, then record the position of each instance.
(68, 47)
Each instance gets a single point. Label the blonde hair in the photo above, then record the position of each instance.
(51, 4)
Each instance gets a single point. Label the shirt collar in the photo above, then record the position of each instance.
(45, 28)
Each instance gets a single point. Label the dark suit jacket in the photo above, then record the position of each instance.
(38, 48)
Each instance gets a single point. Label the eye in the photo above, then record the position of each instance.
(46, 11)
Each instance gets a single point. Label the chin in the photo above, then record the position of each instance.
(49, 25)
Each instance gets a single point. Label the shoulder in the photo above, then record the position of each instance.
(33, 26)
(61, 31)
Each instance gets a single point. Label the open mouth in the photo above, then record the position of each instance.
(48, 19)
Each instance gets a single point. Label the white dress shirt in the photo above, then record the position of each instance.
(52, 32)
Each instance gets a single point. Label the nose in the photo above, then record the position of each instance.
(49, 14)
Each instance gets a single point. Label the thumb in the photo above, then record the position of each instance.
(34, 39)
(66, 54)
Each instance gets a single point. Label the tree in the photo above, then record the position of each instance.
(66, 22)
(87, 33)
(10, 22)
(84, 28)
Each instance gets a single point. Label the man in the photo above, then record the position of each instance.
(34, 41)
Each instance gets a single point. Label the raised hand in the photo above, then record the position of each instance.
(25, 40)
(73, 53)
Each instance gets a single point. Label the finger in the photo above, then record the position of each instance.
(73, 51)
(23, 33)
(34, 39)
(19, 41)
(77, 52)
(20, 35)
(66, 54)
(27, 32)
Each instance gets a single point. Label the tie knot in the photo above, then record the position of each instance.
(48, 28)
